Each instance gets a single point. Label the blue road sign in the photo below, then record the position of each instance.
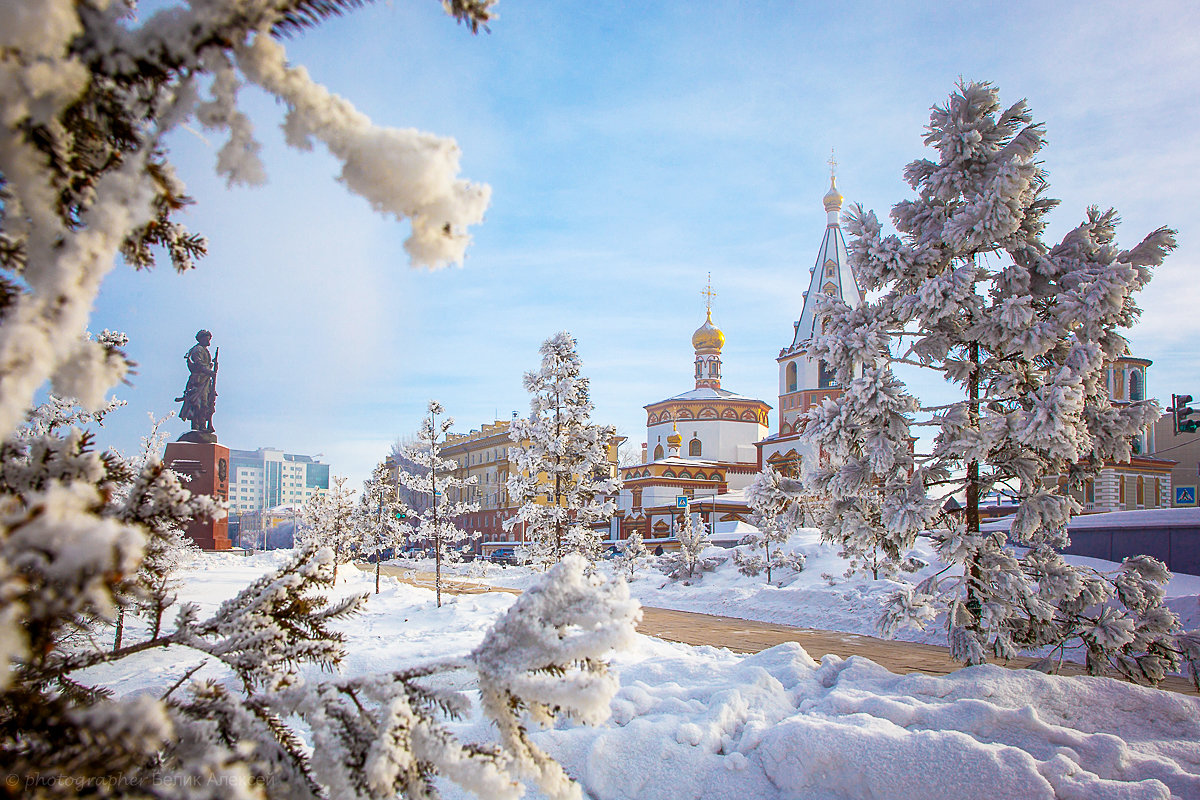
(681, 501)
(1185, 495)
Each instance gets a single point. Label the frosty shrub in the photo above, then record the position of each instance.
(968, 289)
(776, 514)
(630, 554)
(329, 521)
(688, 560)
(561, 474)
(378, 526)
(435, 483)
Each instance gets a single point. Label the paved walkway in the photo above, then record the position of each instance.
(748, 636)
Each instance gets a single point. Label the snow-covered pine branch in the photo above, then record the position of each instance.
(562, 476)
(544, 658)
(1024, 329)
(89, 95)
(436, 482)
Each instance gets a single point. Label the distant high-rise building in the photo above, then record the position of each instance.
(266, 478)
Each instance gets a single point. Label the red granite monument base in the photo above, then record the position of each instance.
(207, 464)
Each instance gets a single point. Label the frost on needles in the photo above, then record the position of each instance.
(1023, 329)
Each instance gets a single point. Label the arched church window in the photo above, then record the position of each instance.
(658, 453)
(1136, 385)
(699, 368)
(1141, 491)
(791, 376)
(714, 368)
(1118, 384)
(825, 376)
(694, 448)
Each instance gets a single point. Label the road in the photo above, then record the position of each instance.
(748, 636)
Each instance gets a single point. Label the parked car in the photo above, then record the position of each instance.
(504, 555)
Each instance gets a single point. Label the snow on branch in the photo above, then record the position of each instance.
(89, 94)
(545, 657)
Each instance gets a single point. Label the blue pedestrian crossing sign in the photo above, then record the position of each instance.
(681, 501)
(1185, 495)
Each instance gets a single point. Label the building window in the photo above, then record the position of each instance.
(1118, 384)
(1121, 489)
(825, 376)
(637, 498)
(694, 447)
(699, 369)
(1089, 492)
(658, 453)
(714, 368)
(1136, 385)
(791, 376)
(1141, 491)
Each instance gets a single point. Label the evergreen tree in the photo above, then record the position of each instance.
(329, 521)
(693, 536)
(435, 480)
(777, 514)
(141, 500)
(381, 519)
(630, 554)
(968, 289)
(562, 477)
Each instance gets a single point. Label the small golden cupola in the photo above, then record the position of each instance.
(833, 199)
(708, 341)
(674, 442)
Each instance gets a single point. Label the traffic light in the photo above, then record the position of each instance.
(401, 515)
(1180, 410)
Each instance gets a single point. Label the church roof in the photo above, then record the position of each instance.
(708, 393)
(831, 275)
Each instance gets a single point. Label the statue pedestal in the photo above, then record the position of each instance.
(207, 464)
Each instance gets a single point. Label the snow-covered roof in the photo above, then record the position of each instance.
(841, 283)
(708, 393)
(1140, 519)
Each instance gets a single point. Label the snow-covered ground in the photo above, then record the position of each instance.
(691, 722)
(819, 597)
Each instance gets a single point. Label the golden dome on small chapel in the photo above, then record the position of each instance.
(708, 336)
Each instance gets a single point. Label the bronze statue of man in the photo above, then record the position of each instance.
(200, 396)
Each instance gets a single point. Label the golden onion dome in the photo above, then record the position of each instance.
(674, 439)
(833, 198)
(708, 336)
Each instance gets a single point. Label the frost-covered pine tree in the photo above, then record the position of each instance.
(381, 519)
(328, 519)
(562, 476)
(969, 290)
(156, 498)
(776, 514)
(630, 554)
(693, 536)
(436, 482)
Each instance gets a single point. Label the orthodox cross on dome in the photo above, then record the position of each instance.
(832, 164)
(709, 294)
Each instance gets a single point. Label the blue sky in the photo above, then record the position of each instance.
(632, 148)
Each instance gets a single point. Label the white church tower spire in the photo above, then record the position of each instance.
(805, 381)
